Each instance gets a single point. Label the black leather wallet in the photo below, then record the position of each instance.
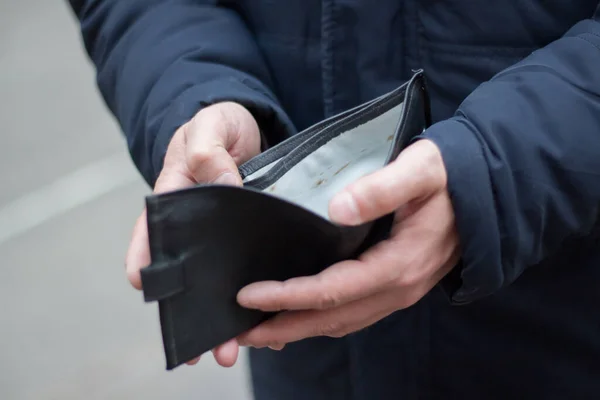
(209, 241)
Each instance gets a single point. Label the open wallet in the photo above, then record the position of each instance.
(209, 241)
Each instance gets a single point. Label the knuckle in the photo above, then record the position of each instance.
(277, 305)
(186, 128)
(277, 346)
(407, 279)
(372, 199)
(412, 268)
(279, 300)
(364, 200)
(255, 341)
(432, 165)
(199, 158)
(223, 116)
(331, 329)
(338, 334)
(328, 300)
(385, 200)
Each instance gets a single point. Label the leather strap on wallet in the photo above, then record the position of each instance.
(209, 241)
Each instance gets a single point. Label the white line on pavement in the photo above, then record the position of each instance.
(67, 192)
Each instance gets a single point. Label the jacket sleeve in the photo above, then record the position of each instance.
(523, 160)
(159, 62)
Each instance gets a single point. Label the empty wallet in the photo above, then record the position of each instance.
(209, 241)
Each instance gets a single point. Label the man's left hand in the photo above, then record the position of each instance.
(394, 274)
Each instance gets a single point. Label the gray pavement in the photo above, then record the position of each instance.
(70, 325)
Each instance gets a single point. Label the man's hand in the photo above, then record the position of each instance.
(393, 275)
(208, 149)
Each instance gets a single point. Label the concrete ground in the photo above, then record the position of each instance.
(71, 327)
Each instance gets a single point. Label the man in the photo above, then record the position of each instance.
(488, 286)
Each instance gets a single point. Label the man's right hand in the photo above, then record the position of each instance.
(207, 149)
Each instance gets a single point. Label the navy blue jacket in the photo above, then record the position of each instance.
(515, 88)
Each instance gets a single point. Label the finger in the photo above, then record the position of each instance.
(407, 258)
(339, 284)
(226, 354)
(202, 145)
(419, 244)
(292, 326)
(171, 178)
(415, 174)
(217, 140)
(138, 253)
(194, 361)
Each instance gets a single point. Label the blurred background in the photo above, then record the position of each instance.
(71, 327)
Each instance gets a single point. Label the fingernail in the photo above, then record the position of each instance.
(226, 178)
(343, 209)
(277, 347)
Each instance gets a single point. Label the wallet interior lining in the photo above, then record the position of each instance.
(260, 165)
(315, 179)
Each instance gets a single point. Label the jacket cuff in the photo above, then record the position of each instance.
(273, 122)
(479, 271)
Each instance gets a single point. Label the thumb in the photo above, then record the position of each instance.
(417, 173)
(206, 149)
(217, 140)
